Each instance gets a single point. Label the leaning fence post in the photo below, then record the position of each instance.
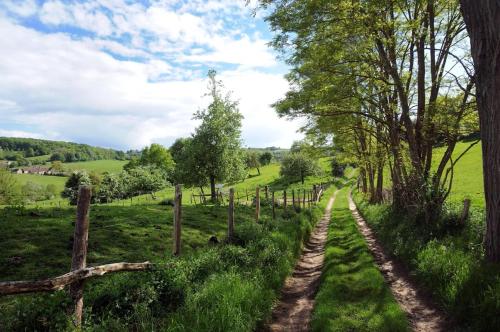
(79, 257)
(272, 198)
(257, 203)
(230, 217)
(177, 219)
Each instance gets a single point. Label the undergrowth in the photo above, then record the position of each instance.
(445, 257)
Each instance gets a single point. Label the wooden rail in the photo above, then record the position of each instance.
(58, 283)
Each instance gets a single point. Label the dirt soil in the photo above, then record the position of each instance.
(421, 312)
(293, 312)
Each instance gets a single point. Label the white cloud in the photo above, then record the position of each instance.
(65, 88)
(21, 8)
(19, 133)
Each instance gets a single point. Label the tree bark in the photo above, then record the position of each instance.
(482, 19)
(213, 194)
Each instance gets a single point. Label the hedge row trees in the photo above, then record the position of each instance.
(483, 22)
(375, 71)
(214, 152)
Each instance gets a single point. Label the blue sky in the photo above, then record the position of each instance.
(124, 74)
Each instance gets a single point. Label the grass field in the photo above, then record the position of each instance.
(224, 287)
(44, 180)
(353, 295)
(98, 166)
(132, 229)
(468, 174)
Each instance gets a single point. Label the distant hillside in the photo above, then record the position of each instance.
(27, 151)
(277, 153)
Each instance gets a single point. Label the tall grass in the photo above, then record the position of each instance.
(446, 258)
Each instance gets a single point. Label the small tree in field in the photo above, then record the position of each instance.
(216, 145)
(265, 158)
(76, 179)
(297, 166)
(252, 160)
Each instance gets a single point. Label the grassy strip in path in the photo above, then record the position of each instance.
(353, 295)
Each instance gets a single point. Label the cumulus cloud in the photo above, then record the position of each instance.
(122, 92)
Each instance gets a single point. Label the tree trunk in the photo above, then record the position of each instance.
(258, 170)
(364, 185)
(380, 183)
(213, 194)
(482, 19)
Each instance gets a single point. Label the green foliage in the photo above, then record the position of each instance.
(10, 190)
(188, 169)
(33, 192)
(216, 144)
(75, 180)
(337, 167)
(62, 151)
(448, 259)
(252, 160)
(298, 166)
(265, 158)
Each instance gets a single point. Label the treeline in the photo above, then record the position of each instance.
(19, 150)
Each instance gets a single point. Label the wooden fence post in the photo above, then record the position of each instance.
(177, 219)
(314, 193)
(273, 202)
(304, 199)
(80, 244)
(257, 204)
(465, 212)
(284, 200)
(267, 192)
(230, 217)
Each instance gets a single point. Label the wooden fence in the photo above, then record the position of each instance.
(79, 271)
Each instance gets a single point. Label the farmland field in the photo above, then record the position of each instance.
(136, 229)
(99, 166)
(468, 174)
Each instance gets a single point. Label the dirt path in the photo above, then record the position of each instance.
(293, 312)
(422, 314)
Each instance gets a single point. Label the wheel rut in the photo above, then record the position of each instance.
(293, 312)
(421, 312)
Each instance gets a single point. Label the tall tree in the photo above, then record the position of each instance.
(483, 24)
(375, 70)
(216, 143)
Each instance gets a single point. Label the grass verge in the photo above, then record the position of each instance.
(353, 295)
(446, 258)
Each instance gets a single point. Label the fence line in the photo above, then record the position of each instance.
(79, 272)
